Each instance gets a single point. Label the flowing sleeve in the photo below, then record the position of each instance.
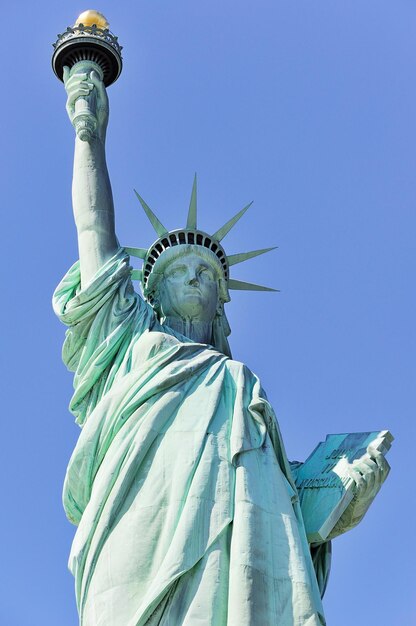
(321, 553)
(104, 319)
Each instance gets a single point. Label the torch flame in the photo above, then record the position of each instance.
(91, 17)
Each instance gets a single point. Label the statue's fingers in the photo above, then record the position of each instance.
(76, 92)
(378, 457)
(372, 481)
(84, 85)
(75, 79)
(356, 476)
(65, 76)
(77, 87)
(363, 465)
(81, 85)
(99, 85)
(376, 474)
(373, 452)
(367, 465)
(383, 464)
(368, 471)
(96, 79)
(383, 469)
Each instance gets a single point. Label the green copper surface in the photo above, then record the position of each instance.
(179, 475)
(224, 230)
(192, 213)
(155, 222)
(233, 259)
(242, 285)
(186, 506)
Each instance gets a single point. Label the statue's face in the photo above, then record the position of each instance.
(189, 289)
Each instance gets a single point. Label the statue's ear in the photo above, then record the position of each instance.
(156, 300)
(223, 293)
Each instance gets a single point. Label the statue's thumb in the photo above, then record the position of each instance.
(96, 80)
(65, 75)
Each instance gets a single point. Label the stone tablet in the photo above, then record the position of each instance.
(323, 481)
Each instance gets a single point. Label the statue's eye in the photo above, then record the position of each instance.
(177, 272)
(206, 272)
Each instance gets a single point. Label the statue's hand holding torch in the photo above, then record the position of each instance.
(87, 58)
(87, 103)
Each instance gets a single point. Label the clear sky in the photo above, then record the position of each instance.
(307, 108)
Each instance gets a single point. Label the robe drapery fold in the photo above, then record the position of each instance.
(179, 484)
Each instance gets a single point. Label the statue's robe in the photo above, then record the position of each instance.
(179, 484)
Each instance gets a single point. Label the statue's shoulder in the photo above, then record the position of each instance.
(152, 342)
(240, 370)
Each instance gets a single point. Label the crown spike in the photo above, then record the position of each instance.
(140, 253)
(240, 285)
(233, 259)
(220, 234)
(136, 275)
(157, 225)
(191, 221)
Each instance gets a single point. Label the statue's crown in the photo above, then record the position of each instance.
(191, 235)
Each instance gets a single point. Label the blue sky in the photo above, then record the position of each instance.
(307, 108)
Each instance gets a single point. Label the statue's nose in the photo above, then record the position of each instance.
(193, 281)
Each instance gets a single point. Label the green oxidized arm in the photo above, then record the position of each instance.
(92, 197)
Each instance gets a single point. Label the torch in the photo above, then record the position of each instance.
(88, 45)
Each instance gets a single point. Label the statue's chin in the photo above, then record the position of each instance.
(192, 308)
(194, 314)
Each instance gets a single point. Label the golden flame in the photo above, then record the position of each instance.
(91, 17)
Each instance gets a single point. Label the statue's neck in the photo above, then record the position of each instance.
(200, 332)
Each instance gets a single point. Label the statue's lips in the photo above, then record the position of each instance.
(192, 291)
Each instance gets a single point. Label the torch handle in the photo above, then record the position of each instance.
(85, 118)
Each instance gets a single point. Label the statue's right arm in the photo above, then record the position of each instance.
(92, 197)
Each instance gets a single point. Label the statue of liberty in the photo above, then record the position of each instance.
(185, 502)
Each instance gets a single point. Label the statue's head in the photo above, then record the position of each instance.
(187, 281)
(185, 273)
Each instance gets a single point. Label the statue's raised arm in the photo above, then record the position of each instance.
(92, 197)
